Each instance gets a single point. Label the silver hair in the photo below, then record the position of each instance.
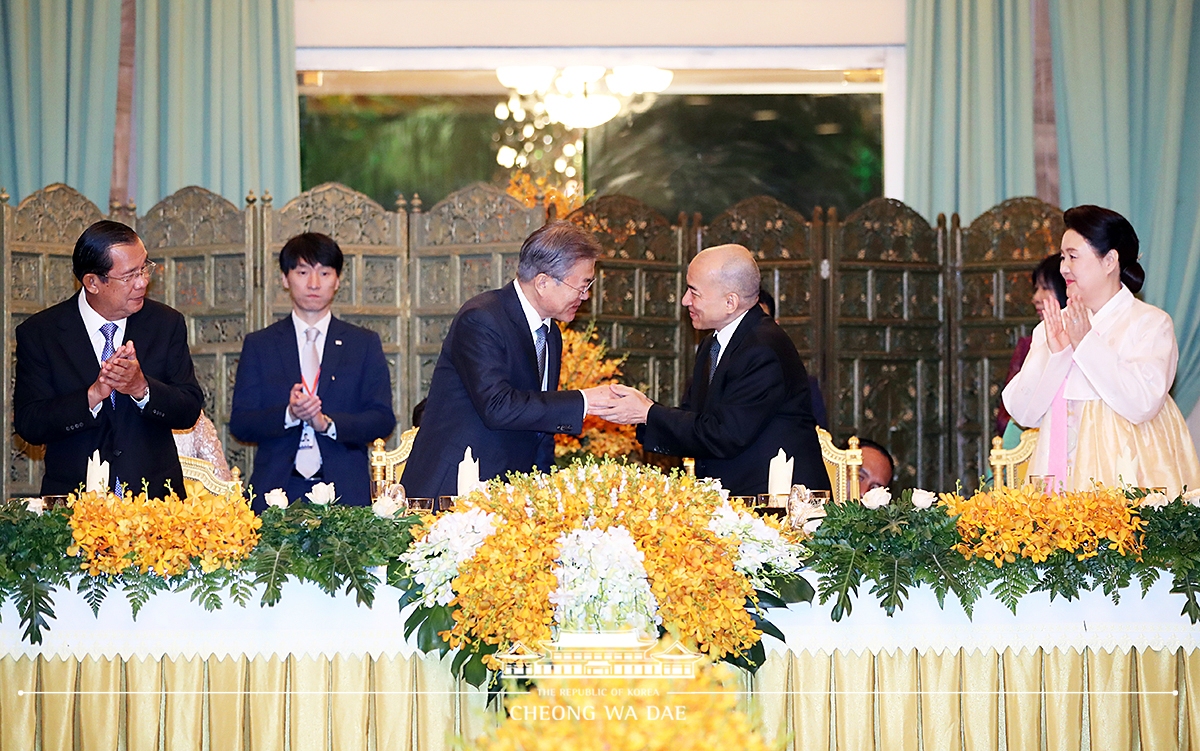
(554, 249)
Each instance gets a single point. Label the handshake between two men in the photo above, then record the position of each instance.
(494, 387)
(619, 403)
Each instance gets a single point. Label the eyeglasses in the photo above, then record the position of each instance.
(582, 291)
(145, 272)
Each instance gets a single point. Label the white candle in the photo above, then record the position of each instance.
(779, 479)
(468, 473)
(97, 474)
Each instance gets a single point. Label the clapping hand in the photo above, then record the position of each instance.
(1056, 332)
(1067, 327)
(307, 408)
(1077, 320)
(123, 373)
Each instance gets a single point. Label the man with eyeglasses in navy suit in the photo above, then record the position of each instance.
(495, 385)
(107, 370)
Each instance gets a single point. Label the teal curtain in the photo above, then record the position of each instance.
(1127, 104)
(969, 124)
(215, 99)
(58, 94)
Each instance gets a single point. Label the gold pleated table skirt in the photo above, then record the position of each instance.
(902, 700)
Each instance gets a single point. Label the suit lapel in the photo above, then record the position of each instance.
(554, 363)
(700, 372)
(77, 344)
(748, 322)
(520, 331)
(287, 349)
(331, 358)
(728, 356)
(137, 330)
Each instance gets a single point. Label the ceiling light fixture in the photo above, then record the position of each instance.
(581, 96)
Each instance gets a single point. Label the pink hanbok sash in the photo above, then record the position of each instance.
(1056, 467)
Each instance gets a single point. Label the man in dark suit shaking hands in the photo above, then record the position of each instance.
(749, 393)
(495, 385)
(107, 370)
(312, 391)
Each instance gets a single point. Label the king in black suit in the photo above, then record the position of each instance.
(748, 398)
(488, 392)
(75, 394)
(348, 407)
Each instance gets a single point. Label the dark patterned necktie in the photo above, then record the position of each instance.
(539, 343)
(109, 330)
(713, 354)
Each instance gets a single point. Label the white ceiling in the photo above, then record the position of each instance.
(534, 24)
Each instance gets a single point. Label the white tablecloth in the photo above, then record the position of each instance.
(310, 622)
(1155, 622)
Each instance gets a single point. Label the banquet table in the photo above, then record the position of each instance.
(320, 672)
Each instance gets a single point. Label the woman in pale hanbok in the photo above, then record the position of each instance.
(1098, 373)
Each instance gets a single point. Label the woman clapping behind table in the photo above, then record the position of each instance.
(1098, 371)
(1049, 288)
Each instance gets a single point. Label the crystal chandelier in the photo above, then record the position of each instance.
(548, 109)
(582, 96)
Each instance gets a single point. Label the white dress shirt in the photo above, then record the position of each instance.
(535, 322)
(322, 326)
(92, 321)
(724, 334)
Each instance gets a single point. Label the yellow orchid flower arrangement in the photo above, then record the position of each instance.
(491, 574)
(1032, 523)
(163, 535)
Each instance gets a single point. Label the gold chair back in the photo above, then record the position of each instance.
(842, 465)
(388, 466)
(1009, 465)
(205, 473)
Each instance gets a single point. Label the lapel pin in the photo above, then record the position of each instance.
(338, 342)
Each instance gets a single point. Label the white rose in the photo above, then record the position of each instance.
(36, 505)
(923, 498)
(321, 494)
(277, 498)
(1192, 497)
(1156, 500)
(386, 507)
(877, 498)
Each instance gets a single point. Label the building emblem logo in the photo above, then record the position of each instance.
(599, 654)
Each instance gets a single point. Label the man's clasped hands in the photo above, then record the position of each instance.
(120, 373)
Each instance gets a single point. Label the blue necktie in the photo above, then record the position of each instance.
(713, 354)
(539, 341)
(109, 330)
